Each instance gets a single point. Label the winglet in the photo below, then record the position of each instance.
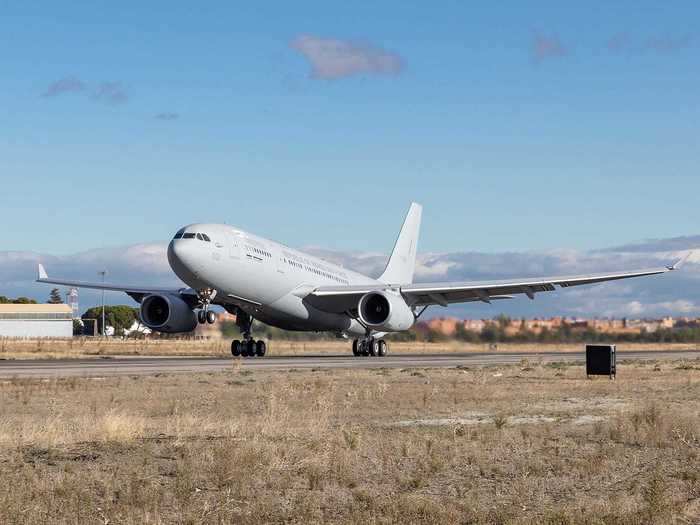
(680, 262)
(42, 273)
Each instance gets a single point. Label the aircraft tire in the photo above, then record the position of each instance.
(202, 317)
(356, 348)
(260, 348)
(211, 317)
(250, 348)
(365, 348)
(235, 348)
(375, 346)
(383, 348)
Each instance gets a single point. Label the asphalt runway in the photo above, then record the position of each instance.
(132, 366)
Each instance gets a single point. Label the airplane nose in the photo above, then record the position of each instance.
(183, 257)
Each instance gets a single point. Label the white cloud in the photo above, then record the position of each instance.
(429, 267)
(678, 307)
(677, 293)
(332, 59)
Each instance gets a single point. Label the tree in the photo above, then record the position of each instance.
(118, 317)
(23, 300)
(77, 327)
(19, 300)
(55, 297)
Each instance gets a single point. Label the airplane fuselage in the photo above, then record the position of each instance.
(264, 278)
(256, 278)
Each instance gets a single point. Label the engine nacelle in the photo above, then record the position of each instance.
(167, 313)
(385, 312)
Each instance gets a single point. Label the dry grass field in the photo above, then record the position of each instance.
(86, 347)
(520, 444)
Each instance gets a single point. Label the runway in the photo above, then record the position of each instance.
(134, 366)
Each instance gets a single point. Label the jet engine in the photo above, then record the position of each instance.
(385, 312)
(167, 313)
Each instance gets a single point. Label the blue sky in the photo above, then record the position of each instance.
(519, 127)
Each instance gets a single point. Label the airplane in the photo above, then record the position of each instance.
(255, 278)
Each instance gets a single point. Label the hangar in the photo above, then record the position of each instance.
(36, 320)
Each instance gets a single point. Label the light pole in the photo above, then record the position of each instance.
(103, 273)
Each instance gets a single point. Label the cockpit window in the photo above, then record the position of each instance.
(192, 235)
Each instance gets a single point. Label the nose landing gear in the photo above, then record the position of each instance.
(369, 346)
(206, 296)
(206, 316)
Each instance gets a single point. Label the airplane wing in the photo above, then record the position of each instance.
(135, 292)
(345, 298)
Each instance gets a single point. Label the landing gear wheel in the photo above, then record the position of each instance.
(235, 348)
(356, 348)
(374, 347)
(202, 317)
(250, 348)
(210, 317)
(260, 348)
(383, 348)
(364, 348)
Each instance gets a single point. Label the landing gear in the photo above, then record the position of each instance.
(206, 296)
(206, 317)
(249, 347)
(369, 346)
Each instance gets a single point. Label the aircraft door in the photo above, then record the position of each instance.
(279, 257)
(234, 247)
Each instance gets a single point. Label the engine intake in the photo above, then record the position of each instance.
(385, 311)
(167, 313)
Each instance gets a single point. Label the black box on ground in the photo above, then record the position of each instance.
(600, 360)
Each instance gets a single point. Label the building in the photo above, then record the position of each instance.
(36, 320)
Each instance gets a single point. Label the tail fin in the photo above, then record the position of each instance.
(399, 269)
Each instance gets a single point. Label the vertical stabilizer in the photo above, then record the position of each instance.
(399, 269)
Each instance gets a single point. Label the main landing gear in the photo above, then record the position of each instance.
(249, 347)
(370, 346)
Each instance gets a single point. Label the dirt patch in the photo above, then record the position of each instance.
(483, 419)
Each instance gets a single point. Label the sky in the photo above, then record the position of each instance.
(524, 128)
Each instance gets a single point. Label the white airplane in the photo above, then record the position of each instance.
(255, 278)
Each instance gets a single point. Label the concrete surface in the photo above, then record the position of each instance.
(102, 367)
